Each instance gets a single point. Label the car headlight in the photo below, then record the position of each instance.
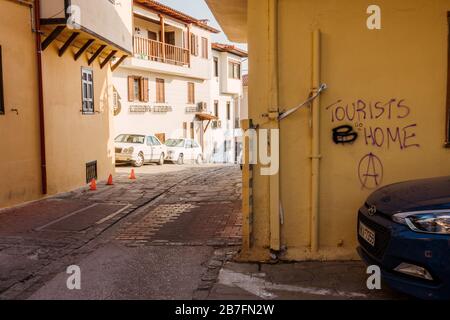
(128, 150)
(437, 222)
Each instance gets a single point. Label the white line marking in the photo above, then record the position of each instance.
(255, 284)
(67, 216)
(112, 215)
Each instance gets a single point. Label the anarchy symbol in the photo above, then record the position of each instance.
(370, 171)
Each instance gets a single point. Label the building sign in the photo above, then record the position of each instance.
(162, 109)
(149, 109)
(140, 109)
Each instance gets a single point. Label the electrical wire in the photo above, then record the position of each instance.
(285, 114)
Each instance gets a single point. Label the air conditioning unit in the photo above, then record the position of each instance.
(216, 124)
(202, 107)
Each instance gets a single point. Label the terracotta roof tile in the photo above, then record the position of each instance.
(159, 7)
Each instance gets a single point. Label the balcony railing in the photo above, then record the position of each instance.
(157, 51)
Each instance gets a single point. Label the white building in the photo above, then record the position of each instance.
(162, 88)
(169, 87)
(226, 94)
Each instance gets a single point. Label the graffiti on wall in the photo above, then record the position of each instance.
(370, 171)
(376, 124)
(344, 134)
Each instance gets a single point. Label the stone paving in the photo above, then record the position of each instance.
(166, 235)
(41, 238)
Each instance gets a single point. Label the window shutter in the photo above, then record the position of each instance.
(163, 91)
(145, 89)
(196, 45)
(160, 91)
(130, 88)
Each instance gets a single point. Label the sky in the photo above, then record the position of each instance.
(199, 9)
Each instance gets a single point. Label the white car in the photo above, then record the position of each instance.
(139, 149)
(183, 150)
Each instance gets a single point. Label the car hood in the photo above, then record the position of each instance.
(126, 145)
(418, 195)
(174, 148)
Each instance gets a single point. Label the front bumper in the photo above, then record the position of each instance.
(124, 158)
(396, 244)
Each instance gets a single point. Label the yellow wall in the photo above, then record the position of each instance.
(406, 60)
(74, 139)
(19, 143)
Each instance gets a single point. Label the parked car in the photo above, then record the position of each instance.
(405, 229)
(139, 149)
(183, 150)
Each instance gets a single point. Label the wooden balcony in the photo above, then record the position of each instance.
(162, 52)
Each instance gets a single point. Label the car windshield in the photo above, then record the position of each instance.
(175, 143)
(130, 138)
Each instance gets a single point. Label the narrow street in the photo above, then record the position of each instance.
(171, 234)
(150, 238)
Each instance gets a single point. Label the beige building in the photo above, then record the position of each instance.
(56, 97)
(384, 117)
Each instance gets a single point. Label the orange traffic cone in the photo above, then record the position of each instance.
(132, 175)
(93, 185)
(110, 181)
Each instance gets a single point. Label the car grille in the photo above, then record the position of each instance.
(118, 150)
(382, 237)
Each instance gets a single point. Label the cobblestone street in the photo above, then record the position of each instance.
(171, 234)
(129, 239)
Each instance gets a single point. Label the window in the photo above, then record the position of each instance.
(216, 108)
(137, 89)
(87, 84)
(192, 131)
(194, 44)
(191, 93)
(185, 127)
(149, 141)
(205, 48)
(234, 70)
(216, 67)
(447, 138)
(2, 100)
(228, 111)
(160, 91)
(170, 38)
(237, 122)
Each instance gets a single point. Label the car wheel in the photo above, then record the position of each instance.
(180, 159)
(139, 162)
(199, 159)
(161, 159)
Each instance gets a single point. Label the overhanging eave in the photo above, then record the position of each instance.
(232, 17)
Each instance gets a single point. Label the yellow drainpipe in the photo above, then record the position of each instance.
(316, 156)
(274, 183)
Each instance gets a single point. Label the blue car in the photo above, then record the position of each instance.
(404, 228)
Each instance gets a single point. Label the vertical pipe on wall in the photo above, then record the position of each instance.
(37, 31)
(274, 183)
(316, 156)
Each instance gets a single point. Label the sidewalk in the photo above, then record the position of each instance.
(297, 281)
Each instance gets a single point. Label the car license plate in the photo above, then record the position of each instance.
(367, 234)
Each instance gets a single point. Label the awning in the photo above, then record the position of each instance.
(205, 117)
